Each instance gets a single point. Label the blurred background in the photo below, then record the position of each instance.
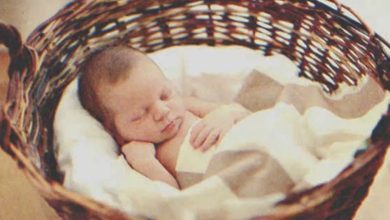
(19, 200)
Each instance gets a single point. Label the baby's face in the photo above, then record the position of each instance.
(146, 106)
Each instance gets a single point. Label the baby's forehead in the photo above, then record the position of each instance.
(137, 89)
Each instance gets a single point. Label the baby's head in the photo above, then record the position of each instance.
(127, 92)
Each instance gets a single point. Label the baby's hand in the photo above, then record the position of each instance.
(211, 129)
(138, 150)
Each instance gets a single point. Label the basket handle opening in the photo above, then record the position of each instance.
(21, 56)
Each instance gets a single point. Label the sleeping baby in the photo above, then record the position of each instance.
(127, 92)
(226, 160)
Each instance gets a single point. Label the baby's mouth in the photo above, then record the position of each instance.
(170, 126)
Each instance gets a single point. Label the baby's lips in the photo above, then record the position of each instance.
(166, 127)
(172, 123)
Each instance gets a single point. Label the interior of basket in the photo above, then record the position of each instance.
(327, 46)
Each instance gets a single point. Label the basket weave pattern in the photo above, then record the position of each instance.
(328, 42)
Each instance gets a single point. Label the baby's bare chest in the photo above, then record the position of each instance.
(167, 152)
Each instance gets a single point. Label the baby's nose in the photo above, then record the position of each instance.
(161, 111)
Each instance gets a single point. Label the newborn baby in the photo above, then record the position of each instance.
(127, 92)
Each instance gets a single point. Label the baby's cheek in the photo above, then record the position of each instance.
(179, 105)
(125, 131)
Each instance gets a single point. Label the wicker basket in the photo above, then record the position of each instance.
(327, 41)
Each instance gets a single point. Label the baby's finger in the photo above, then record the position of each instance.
(195, 132)
(220, 137)
(210, 141)
(201, 138)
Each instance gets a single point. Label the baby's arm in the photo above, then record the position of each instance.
(217, 120)
(142, 157)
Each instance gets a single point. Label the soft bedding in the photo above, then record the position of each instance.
(308, 145)
(298, 136)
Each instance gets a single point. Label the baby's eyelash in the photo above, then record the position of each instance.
(136, 119)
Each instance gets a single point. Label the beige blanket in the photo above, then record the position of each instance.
(242, 163)
(300, 136)
(297, 135)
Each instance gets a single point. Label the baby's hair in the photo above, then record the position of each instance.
(107, 66)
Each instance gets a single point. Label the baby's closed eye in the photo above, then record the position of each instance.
(138, 116)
